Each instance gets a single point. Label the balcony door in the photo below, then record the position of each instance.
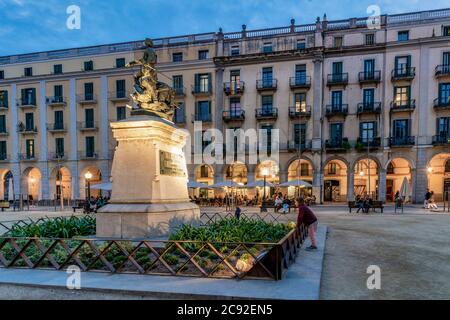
(402, 96)
(368, 97)
(401, 130)
(29, 96)
(368, 131)
(235, 107)
(29, 121)
(203, 112)
(59, 120)
(337, 70)
(235, 81)
(369, 68)
(120, 88)
(443, 127)
(336, 132)
(300, 134)
(300, 102)
(267, 105)
(267, 77)
(446, 59)
(89, 91)
(89, 117)
(58, 91)
(402, 65)
(300, 74)
(444, 93)
(336, 100)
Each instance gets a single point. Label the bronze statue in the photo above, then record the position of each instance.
(150, 95)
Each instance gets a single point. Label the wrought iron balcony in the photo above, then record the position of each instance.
(204, 117)
(87, 125)
(27, 129)
(263, 85)
(297, 113)
(363, 143)
(402, 141)
(337, 79)
(4, 133)
(369, 76)
(202, 90)
(179, 118)
(365, 108)
(336, 110)
(442, 71)
(408, 105)
(57, 156)
(3, 104)
(4, 157)
(296, 146)
(300, 82)
(266, 113)
(441, 139)
(441, 104)
(233, 115)
(27, 103)
(87, 155)
(28, 156)
(407, 73)
(56, 101)
(234, 88)
(56, 127)
(118, 96)
(179, 92)
(341, 144)
(87, 98)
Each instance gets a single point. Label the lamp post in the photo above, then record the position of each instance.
(265, 173)
(88, 177)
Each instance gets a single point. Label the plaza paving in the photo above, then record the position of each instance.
(412, 250)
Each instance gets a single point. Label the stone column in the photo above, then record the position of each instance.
(382, 185)
(420, 177)
(42, 107)
(317, 183)
(218, 108)
(75, 185)
(283, 176)
(317, 104)
(45, 182)
(73, 125)
(423, 108)
(350, 185)
(104, 120)
(14, 120)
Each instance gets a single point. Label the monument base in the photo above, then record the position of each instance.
(131, 221)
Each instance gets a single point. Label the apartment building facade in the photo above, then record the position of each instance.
(359, 109)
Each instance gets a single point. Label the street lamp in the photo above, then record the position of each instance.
(265, 173)
(88, 177)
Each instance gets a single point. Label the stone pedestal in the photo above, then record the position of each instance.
(149, 181)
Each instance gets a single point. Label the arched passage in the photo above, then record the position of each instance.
(32, 184)
(365, 178)
(439, 175)
(204, 174)
(335, 181)
(300, 169)
(6, 185)
(60, 183)
(237, 172)
(271, 171)
(396, 171)
(96, 178)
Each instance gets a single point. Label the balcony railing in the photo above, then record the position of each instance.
(407, 73)
(27, 129)
(87, 125)
(336, 110)
(87, 155)
(296, 146)
(57, 156)
(54, 101)
(370, 76)
(402, 141)
(442, 139)
(179, 118)
(233, 115)
(3, 104)
(206, 117)
(27, 103)
(262, 85)
(4, 133)
(442, 70)
(121, 95)
(56, 127)
(374, 107)
(201, 90)
(408, 105)
(368, 143)
(296, 113)
(234, 88)
(87, 98)
(441, 103)
(266, 113)
(28, 157)
(300, 82)
(337, 144)
(337, 79)
(4, 157)
(179, 92)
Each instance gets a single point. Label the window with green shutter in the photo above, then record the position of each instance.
(121, 113)
(2, 123)
(120, 88)
(59, 147)
(3, 99)
(90, 147)
(3, 152)
(29, 145)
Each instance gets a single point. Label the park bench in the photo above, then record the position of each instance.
(4, 205)
(78, 205)
(375, 205)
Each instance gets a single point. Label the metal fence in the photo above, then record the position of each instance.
(234, 260)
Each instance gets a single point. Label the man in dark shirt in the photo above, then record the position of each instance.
(308, 218)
